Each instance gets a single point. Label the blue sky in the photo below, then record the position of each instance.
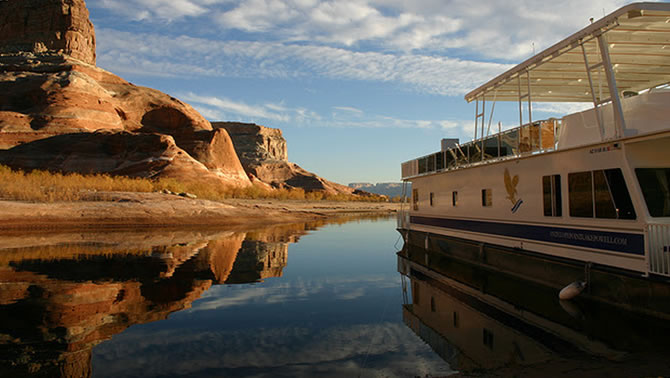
(356, 86)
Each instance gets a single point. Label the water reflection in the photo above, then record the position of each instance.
(490, 322)
(207, 303)
(61, 294)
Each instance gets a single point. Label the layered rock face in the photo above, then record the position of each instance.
(54, 94)
(51, 26)
(262, 151)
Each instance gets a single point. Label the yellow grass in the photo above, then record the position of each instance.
(43, 186)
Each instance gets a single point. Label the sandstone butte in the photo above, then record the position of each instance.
(60, 112)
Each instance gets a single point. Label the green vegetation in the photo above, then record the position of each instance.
(43, 186)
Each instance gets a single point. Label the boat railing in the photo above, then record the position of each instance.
(658, 249)
(532, 138)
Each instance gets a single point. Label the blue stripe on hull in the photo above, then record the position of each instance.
(610, 241)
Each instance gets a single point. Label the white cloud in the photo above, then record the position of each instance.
(217, 108)
(496, 29)
(225, 105)
(139, 10)
(183, 56)
(348, 109)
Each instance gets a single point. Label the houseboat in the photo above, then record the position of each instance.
(589, 191)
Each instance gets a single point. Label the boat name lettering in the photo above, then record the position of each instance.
(612, 147)
(589, 237)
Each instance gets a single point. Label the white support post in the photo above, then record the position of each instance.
(596, 102)
(619, 122)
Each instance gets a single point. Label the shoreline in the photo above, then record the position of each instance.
(129, 210)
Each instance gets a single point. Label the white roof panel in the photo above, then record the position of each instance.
(638, 37)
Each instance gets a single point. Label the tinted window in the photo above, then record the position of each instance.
(655, 184)
(580, 188)
(439, 160)
(623, 206)
(602, 190)
(605, 207)
(551, 194)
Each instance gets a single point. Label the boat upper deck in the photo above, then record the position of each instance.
(620, 64)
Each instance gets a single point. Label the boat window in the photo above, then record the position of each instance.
(430, 165)
(487, 198)
(580, 193)
(432, 196)
(415, 198)
(423, 168)
(551, 190)
(454, 198)
(603, 192)
(432, 304)
(439, 161)
(491, 147)
(487, 338)
(611, 195)
(457, 322)
(655, 184)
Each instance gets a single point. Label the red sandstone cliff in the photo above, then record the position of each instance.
(87, 119)
(263, 154)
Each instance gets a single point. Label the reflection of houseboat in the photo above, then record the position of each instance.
(590, 190)
(479, 318)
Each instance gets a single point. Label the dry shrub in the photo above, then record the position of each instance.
(44, 186)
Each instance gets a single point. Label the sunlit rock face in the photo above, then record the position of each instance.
(263, 153)
(50, 86)
(38, 26)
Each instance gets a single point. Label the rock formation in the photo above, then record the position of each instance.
(52, 92)
(389, 189)
(51, 26)
(262, 152)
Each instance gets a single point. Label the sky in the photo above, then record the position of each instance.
(356, 86)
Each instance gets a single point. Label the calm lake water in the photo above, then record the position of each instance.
(300, 300)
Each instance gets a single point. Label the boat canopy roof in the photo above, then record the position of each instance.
(636, 38)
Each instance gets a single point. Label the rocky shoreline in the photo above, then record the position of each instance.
(123, 210)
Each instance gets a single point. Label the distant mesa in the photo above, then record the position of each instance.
(389, 189)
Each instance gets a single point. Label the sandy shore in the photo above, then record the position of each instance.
(124, 210)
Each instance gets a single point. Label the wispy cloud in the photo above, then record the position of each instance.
(497, 29)
(169, 10)
(153, 54)
(217, 108)
(227, 106)
(348, 109)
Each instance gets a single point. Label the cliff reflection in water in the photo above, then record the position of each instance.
(62, 294)
(495, 323)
